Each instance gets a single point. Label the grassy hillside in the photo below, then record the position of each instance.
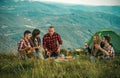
(81, 67)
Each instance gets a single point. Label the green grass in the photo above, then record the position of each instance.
(81, 67)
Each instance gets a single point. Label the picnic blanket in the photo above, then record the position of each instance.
(61, 59)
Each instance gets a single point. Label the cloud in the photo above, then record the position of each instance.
(85, 2)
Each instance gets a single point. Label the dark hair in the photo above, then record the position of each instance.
(111, 44)
(107, 38)
(27, 32)
(35, 33)
(51, 27)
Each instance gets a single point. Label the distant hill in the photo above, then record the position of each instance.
(75, 23)
(7, 44)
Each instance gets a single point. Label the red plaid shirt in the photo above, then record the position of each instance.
(50, 42)
(22, 44)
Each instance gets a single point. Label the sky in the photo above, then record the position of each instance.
(85, 2)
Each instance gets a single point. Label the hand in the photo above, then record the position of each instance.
(39, 47)
(31, 50)
(27, 48)
(58, 50)
(48, 53)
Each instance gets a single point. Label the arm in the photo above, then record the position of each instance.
(104, 51)
(60, 42)
(20, 45)
(31, 42)
(39, 43)
(45, 46)
(101, 49)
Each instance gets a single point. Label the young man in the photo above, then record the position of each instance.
(24, 47)
(111, 51)
(50, 43)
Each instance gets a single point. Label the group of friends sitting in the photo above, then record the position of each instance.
(30, 45)
(102, 48)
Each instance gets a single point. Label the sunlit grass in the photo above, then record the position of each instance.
(81, 67)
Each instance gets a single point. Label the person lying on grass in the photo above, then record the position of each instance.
(24, 48)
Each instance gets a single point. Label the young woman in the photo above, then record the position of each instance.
(96, 40)
(35, 42)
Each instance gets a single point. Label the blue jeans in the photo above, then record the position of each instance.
(54, 54)
(36, 54)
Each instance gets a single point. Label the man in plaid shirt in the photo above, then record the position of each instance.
(24, 47)
(50, 43)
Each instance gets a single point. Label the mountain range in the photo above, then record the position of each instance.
(75, 23)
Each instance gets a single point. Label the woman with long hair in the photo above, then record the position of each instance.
(96, 40)
(36, 42)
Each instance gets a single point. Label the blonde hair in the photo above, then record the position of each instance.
(97, 41)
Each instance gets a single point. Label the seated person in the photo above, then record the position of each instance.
(35, 42)
(95, 51)
(24, 48)
(111, 51)
(107, 50)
